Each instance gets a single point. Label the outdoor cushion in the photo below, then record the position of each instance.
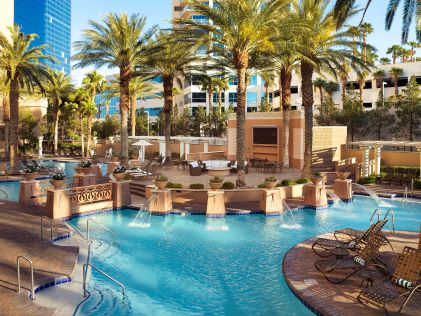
(404, 283)
(194, 164)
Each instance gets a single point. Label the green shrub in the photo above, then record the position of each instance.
(302, 180)
(368, 180)
(197, 186)
(261, 186)
(216, 179)
(271, 179)
(317, 174)
(171, 185)
(285, 183)
(228, 185)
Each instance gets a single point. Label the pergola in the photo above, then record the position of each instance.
(377, 145)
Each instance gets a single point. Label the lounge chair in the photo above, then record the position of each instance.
(195, 169)
(401, 285)
(352, 264)
(324, 247)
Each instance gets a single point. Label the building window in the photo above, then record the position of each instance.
(233, 81)
(402, 82)
(215, 97)
(232, 97)
(251, 98)
(265, 135)
(253, 80)
(251, 109)
(196, 80)
(203, 19)
(368, 105)
(368, 85)
(178, 9)
(294, 90)
(202, 50)
(198, 97)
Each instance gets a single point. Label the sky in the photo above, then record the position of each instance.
(159, 12)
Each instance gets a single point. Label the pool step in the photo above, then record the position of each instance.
(137, 188)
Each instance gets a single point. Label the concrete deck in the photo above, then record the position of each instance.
(325, 298)
(20, 234)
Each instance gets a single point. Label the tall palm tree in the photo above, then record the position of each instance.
(329, 49)
(221, 86)
(240, 27)
(365, 29)
(23, 67)
(208, 84)
(57, 90)
(355, 33)
(361, 78)
(384, 61)
(379, 76)
(320, 84)
(269, 78)
(394, 74)
(172, 61)
(4, 95)
(120, 41)
(395, 51)
(330, 87)
(413, 45)
(94, 83)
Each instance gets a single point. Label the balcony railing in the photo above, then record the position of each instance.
(90, 194)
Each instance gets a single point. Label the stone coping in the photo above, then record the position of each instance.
(324, 298)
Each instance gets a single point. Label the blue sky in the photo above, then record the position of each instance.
(159, 12)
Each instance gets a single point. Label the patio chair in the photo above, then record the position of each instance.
(324, 247)
(401, 285)
(109, 153)
(195, 169)
(353, 264)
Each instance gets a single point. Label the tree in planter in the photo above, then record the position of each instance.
(352, 114)
(24, 69)
(380, 119)
(120, 41)
(327, 112)
(409, 109)
(57, 90)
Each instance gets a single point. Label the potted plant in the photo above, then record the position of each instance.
(161, 182)
(316, 178)
(343, 175)
(86, 166)
(57, 179)
(270, 182)
(216, 182)
(119, 172)
(31, 172)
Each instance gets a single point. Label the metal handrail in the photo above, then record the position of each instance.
(393, 218)
(51, 227)
(85, 271)
(5, 193)
(100, 225)
(374, 213)
(77, 230)
(32, 275)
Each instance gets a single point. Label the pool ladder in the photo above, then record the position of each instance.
(389, 211)
(51, 227)
(32, 297)
(85, 271)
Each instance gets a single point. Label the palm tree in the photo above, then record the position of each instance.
(57, 90)
(413, 45)
(269, 78)
(240, 27)
(355, 33)
(221, 86)
(385, 61)
(330, 87)
(120, 41)
(319, 83)
(23, 67)
(379, 76)
(93, 82)
(361, 77)
(394, 73)
(4, 95)
(365, 29)
(395, 51)
(171, 61)
(329, 49)
(209, 85)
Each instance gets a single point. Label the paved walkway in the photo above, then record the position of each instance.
(328, 299)
(20, 234)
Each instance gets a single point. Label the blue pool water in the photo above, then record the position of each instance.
(12, 187)
(179, 266)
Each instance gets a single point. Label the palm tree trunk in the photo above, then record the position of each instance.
(285, 84)
(210, 97)
(266, 94)
(168, 83)
(6, 119)
(133, 115)
(82, 134)
(220, 101)
(56, 117)
(124, 109)
(361, 92)
(395, 81)
(88, 142)
(307, 91)
(394, 58)
(344, 81)
(365, 46)
(321, 95)
(14, 124)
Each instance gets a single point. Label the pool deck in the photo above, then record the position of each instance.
(325, 298)
(20, 234)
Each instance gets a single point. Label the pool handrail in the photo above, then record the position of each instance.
(51, 227)
(85, 271)
(376, 211)
(393, 218)
(100, 225)
(32, 275)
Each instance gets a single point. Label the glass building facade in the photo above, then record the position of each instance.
(51, 20)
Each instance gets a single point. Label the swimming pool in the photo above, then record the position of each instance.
(184, 265)
(12, 187)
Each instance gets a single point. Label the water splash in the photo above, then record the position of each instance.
(142, 219)
(336, 199)
(380, 202)
(217, 224)
(294, 224)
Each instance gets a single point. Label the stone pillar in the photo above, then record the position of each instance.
(206, 146)
(83, 180)
(95, 143)
(343, 189)
(216, 204)
(160, 202)
(315, 196)
(271, 201)
(58, 203)
(162, 148)
(121, 194)
(40, 139)
(182, 150)
(29, 192)
(377, 158)
(366, 160)
(187, 151)
(111, 167)
(97, 171)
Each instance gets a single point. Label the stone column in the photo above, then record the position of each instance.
(40, 139)
(366, 160)
(206, 146)
(83, 180)
(162, 148)
(271, 201)
(95, 143)
(187, 151)
(121, 194)
(182, 150)
(315, 196)
(343, 189)
(216, 204)
(58, 203)
(160, 202)
(377, 158)
(29, 192)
